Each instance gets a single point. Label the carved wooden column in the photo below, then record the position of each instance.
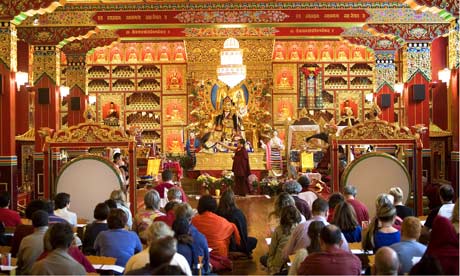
(76, 80)
(8, 68)
(46, 81)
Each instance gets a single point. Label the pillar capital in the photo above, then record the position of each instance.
(46, 61)
(8, 45)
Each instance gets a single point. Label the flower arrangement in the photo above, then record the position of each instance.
(270, 185)
(206, 181)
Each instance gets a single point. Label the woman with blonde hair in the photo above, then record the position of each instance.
(402, 211)
(282, 200)
(381, 231)
(120, 199)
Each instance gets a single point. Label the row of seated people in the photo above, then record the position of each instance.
(392, 234)
(109, 236)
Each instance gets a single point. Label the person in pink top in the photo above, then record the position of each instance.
(8, 217)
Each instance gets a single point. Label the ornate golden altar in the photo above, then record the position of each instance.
(223, 161)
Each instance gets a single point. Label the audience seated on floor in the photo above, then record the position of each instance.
(362, 214)
(117, 242)
(293, 188)
(387, 199)
(409, 247)
(381, 231)
(32, 246)
(290, 218)
(386, 261)
(157, 231)
(345, 219)
(282, 200)
(185, 247)
(217, 230)
(306, 194)
(314, 231)
(402, 211)
(184, 211)
(58, 261)
(145, 217)
(170, 215)
(446, 193)
(333, 200)
(61, 208)
(229, 210)
(8, 217)
(161, 253)
(101, 212)
(332, 259)
(120, 199)
(299, 237)
(175, 194)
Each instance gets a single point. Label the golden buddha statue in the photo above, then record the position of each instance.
(116, 58)
(295, 54)
(175, 113)
(357, 55)
(326, 55)
(284, 81)
(310, 55)
(101, 58)
(284, 112)
(164, 55)
(174, 80)
(342, 56)
(132, 57)
(148, 56)
(279, 54)
(179, 56)
(175, 146)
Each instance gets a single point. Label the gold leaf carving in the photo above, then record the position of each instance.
(90, 132)
(375, 129)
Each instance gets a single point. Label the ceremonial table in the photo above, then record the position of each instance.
(215, 163)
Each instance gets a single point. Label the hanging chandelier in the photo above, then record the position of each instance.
(231, 70)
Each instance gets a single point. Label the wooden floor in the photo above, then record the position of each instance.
(256, 209)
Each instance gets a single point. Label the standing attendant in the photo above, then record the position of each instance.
(240, 167)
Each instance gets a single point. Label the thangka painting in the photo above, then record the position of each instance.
(284, 108)
(174, 79)
(174, 110)
(173, 140)
(285, 77)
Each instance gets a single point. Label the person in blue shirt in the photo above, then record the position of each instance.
(345, 219)
(117, 242)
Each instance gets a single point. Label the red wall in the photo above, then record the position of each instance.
(46, 115)
(76, 117)
(388, 113)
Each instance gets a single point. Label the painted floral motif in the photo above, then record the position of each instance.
(387, 15)
(231, 16)
(418, 59)
(418, 32)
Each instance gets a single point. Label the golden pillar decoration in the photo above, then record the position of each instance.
(76, 71)
(454, 45)
(46, 60)
(416, 58)
(8, 45)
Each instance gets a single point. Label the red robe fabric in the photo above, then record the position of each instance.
(217, 230)
(241, 171)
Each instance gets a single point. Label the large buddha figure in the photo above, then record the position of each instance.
(228, 123)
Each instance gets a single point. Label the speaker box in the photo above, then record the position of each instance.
(418, 92)
(75, 103)
(43, 95)
(385, 100)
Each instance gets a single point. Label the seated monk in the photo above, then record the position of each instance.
(217, 230)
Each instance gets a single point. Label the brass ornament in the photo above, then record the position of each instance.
(375, 129)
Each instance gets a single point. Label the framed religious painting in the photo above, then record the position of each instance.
(174, 110)
(173, 140)
(110, 109)
(284, 108)
(285, 77)
(174, 79)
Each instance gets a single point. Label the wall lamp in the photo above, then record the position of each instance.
(22, 78)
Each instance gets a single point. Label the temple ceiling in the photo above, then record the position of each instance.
(137, 20)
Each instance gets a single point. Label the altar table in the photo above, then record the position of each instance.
(220, 161)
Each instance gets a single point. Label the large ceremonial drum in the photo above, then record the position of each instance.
(89, 180)
(375, 173)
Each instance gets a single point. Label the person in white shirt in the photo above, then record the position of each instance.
(61, 206)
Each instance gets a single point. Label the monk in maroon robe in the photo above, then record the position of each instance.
(241, 169)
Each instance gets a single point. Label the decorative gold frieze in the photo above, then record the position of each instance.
(454, 45)
(8, 45)
(375, 129)
(46, 60)
(76, 71)
(89, 132)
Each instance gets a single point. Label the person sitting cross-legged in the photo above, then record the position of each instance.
(331, 260)
(58, 261)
